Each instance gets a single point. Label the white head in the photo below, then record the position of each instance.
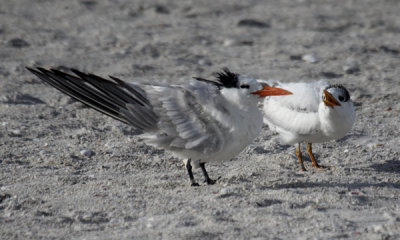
(237, 87)
(336, 111)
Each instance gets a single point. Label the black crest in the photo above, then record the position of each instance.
(341, 87)
(225, 78)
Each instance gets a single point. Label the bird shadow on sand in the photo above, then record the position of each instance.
(352, 186)
(390, 166)
(355, 134)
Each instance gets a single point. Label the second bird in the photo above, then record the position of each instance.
(316, 112)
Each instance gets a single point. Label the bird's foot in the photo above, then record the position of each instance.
(210, 181)
(303, 169)
(194, 184)
(322, 167)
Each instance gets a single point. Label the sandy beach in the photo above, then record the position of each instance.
(125, 189)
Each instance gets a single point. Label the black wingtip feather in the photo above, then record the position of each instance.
(110, 97)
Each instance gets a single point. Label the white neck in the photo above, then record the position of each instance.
(336, 121)
(240, 99)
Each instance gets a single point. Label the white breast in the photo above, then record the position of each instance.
(303, 117)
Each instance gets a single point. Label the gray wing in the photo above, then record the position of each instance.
(174, 117)
(186, 119)
(115, 98)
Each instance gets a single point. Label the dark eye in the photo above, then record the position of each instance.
(341, 98)
(244, 86)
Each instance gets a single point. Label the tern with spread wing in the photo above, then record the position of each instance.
(200, 121)
(316, 112)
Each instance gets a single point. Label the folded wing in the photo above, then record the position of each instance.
(296, 113)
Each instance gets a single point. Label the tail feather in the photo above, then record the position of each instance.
(114, 98)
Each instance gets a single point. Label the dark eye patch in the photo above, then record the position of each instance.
(244, 86)
(345, 97)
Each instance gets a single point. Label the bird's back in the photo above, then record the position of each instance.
(295, 117)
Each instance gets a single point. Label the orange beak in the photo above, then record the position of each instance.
(329, 100)
(271, 91)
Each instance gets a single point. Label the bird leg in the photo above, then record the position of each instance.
(189, 169)
(208, 180)
(299, 157)
(310, 153)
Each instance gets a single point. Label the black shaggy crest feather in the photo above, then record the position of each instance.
(225, 78)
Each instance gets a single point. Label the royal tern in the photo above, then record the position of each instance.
(316, 112)
(200, 121)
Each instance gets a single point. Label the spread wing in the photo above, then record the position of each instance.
(173, 117)
(296, 113)
(187, 118)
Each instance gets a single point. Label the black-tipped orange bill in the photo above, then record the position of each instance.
(329, 100)
(271, 91)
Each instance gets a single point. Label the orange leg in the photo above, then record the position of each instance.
(299, 157)
(310, 153)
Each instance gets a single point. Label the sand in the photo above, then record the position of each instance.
(127, 190)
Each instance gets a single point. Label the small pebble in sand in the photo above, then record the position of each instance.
(351, 66)
(228, 42)
(204, 62)
(310, 58)
(375, 145)
(225, 191)
(42, 152)
(161, 9)
(295, 57)
(87, 152)
(253, 23)
(18, 43)
(16, 132)
(355, 193)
